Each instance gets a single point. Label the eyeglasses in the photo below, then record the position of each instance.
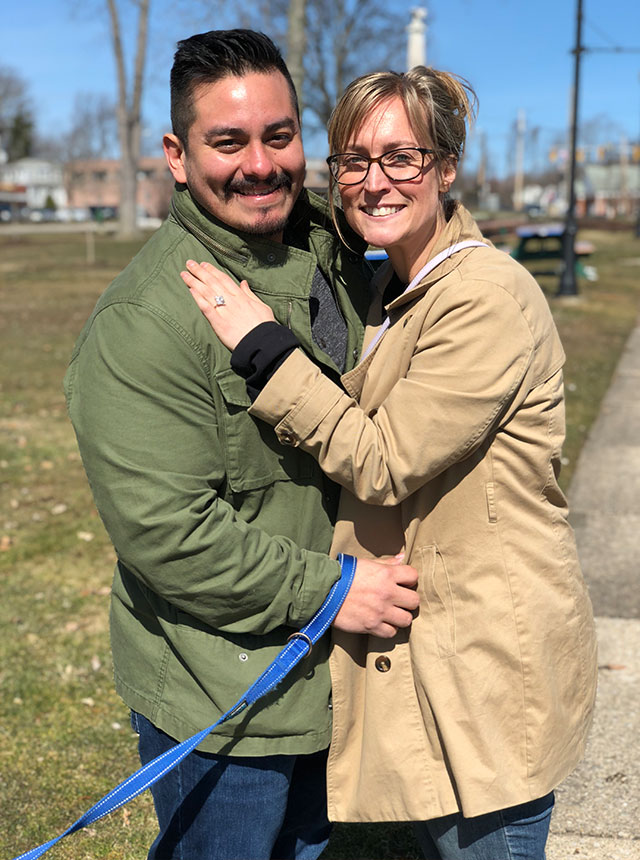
(398, 165)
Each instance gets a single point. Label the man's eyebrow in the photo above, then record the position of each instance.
(222, 131)
(286, 122)
(218, 131)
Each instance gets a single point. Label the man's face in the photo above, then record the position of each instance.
(244, 164)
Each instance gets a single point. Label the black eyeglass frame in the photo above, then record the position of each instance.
(331, 160)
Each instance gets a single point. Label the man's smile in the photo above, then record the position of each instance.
(259, 191)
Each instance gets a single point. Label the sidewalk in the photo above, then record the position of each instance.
(597, 814)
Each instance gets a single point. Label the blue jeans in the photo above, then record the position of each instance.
(216, 807)
(517, 833)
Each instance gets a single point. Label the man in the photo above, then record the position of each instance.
(221, 533)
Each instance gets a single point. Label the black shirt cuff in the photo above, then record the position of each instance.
(261, 352)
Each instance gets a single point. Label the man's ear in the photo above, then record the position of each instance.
(175, 155)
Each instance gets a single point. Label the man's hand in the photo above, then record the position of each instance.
(381, 599)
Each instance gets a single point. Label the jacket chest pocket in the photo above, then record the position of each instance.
(253, 456)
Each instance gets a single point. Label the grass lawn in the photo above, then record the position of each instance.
(64, 735)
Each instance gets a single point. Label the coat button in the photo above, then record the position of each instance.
(287, 438)
(383, 664)
(355, 353)
(271, 257)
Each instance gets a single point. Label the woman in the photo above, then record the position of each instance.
(447, 440)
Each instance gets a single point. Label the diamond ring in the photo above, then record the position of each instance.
(219, 300)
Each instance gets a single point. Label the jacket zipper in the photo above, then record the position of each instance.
(206, 240)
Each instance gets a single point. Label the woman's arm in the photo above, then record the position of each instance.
(468, 370)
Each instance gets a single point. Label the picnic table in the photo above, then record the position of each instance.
(546, 242)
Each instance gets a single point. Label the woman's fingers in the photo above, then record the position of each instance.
(201, 298)
(198, 288)
(213, 279)
(231, 309)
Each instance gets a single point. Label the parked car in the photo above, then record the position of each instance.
(40, 215)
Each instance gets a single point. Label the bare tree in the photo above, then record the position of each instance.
(296, 43)
(347, 38)
(16, 120)
(599, 130)
(94, 127)
(129, 111)
(337, 40)
(20, 135)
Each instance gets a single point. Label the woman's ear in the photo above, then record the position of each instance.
(448, 174)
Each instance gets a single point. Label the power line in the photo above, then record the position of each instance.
(599, 30)
(613, 49)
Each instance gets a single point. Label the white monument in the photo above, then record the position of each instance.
(417, 38)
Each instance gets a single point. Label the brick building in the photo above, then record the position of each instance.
(94, 184)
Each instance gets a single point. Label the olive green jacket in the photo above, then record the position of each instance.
(221, 533)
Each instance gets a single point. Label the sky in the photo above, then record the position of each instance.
(516, 54)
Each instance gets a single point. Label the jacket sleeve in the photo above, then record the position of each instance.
(469, 367)
(140, 401)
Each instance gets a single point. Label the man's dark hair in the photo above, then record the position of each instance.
(208, 57)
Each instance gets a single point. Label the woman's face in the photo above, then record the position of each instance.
(405, 217)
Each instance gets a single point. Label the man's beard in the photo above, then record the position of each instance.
(269, 226)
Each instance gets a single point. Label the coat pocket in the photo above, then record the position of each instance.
(436, 594)
(254, 457)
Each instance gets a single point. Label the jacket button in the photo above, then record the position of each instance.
(383, 664)
(355, 353)
(287, 438)
(271, 257)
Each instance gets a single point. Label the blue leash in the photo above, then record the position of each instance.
(298, 646)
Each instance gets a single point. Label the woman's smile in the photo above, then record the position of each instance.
(381, 211)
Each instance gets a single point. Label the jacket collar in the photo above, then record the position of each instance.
(309, 231)
(460, 227)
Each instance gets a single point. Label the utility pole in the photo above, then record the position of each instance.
(518, 182)
(625, 197)
(481, 176)
(568, 285)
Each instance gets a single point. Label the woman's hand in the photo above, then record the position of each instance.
(232, 309)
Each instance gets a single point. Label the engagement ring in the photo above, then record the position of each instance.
(219, 300)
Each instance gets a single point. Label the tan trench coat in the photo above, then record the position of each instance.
(448, 443)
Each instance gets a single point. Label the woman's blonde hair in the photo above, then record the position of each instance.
(439, 106)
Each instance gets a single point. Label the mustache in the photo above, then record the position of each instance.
(248, 186)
